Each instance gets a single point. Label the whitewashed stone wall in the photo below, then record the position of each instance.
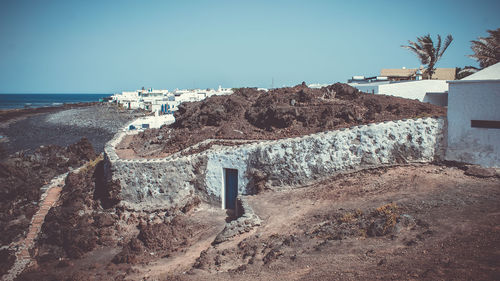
(167, 182)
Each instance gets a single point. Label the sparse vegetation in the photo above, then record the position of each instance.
(390, 213)
(90, 165)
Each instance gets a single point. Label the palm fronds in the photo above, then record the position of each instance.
(427, 53)
(487, 49)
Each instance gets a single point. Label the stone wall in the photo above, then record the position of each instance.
(170, 182)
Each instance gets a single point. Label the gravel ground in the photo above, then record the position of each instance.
(98, 123)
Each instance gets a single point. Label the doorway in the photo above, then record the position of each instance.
(230, 188)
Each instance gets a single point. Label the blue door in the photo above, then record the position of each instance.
(231, 188)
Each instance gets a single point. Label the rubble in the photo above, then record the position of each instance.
(246, 221)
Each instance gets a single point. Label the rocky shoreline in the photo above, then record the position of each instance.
(36, 145)
(27, 129)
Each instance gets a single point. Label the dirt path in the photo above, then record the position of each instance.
(48, 200)
(448, 230)
(182, 261)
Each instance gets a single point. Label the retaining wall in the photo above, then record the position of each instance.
(169, 182)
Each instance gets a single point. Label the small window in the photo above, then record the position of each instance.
(485, 124)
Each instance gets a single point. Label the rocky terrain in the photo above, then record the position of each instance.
(429, 222)
(422, 222)
(21, 179)
(279, 113)
(30, 157)
(89, 232)
(28, 129)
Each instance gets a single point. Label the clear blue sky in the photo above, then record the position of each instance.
(110, 46)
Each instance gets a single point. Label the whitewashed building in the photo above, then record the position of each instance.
(162, 101)
(431, 91)
(407, 83)
(474, 118)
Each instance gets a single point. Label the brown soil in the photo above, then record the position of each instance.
(22, 176)
(157, 240)
(415, 222)
(87, 231)
(135, 245)
(279, 113)
(7, 259)
(425, 222)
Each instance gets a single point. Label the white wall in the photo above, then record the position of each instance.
(413, 89)
(220, 160)
(162, 183)
(153, 121)
(473, 101)
(440, 99)
(297, 161)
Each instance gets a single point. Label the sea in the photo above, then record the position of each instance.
(12, 101)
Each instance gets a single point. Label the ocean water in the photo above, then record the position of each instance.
(11, 101)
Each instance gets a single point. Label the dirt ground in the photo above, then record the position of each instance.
(448, 227)
(417, 222)
(249, 114)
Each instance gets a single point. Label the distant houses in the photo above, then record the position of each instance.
(162, 101)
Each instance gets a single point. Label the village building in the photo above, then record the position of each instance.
(160, 103)
(409, 74)
(474, 118)
(409, 83)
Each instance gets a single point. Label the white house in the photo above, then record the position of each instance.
(431, 91)
(150, 122)
(162, 101)
(474, 118)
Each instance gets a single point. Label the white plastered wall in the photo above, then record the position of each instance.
(217, 161)
(296, 161)
(165, 182)
(479, 100)
(413, 89)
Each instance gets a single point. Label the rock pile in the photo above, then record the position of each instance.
(279, 113)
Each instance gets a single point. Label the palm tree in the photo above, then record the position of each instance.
(427, 53)
(487, 49)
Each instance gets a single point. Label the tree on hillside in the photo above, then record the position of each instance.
(487, 49)
(428, 53)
